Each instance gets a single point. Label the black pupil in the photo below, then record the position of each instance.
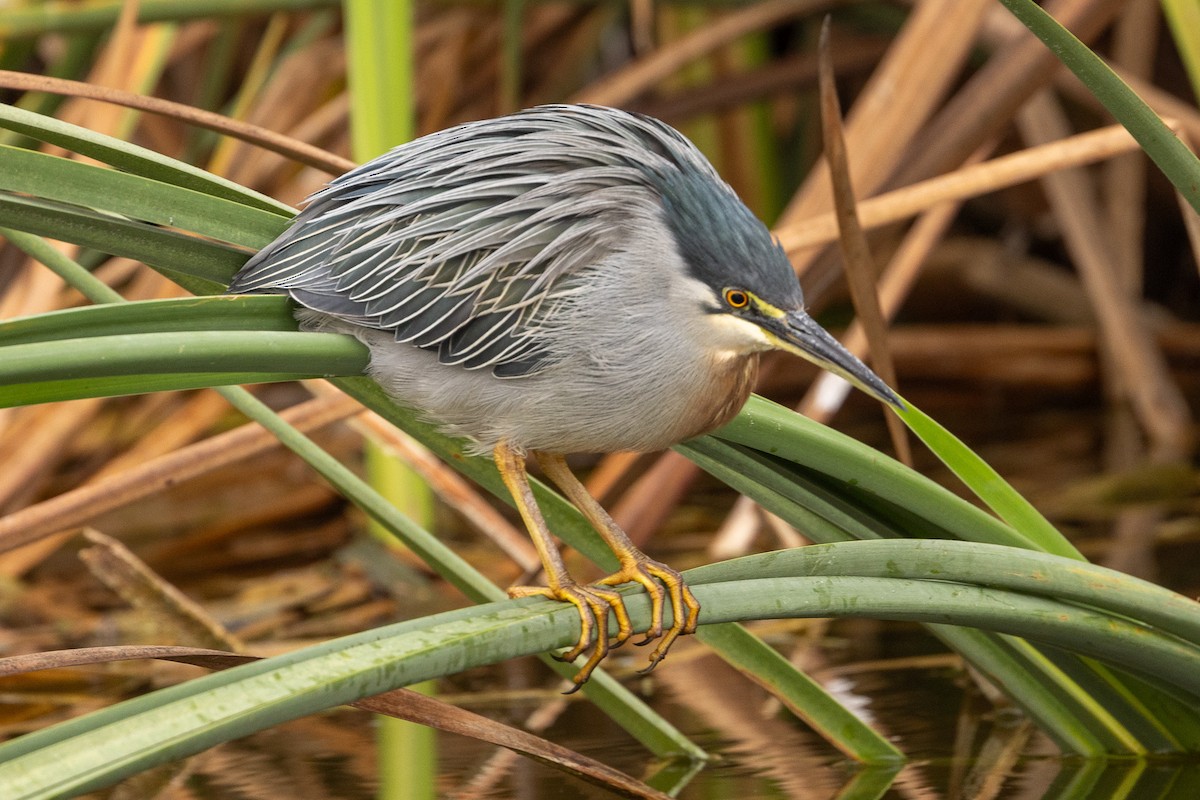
(737, 299)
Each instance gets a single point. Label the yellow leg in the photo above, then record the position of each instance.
(593, 602)
(636, 566)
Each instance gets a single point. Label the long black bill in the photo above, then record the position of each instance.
(799, 333)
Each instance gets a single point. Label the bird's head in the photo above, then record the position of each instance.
(746, 284)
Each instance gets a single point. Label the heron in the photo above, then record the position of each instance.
(565, 279)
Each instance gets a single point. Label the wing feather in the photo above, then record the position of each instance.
(472, 241)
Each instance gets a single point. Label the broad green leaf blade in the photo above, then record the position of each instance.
(53, 178)
(781, 432)
(987, 484)
(133, 159)
(210, 264)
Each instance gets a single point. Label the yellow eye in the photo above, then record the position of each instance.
(736, 298)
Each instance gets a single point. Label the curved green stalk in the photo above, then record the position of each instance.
(266, 352)
(201, 266)
(1008, 568)
(177, 315)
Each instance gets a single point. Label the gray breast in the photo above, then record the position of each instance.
(630, 367)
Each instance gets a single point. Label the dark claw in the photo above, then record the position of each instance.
(660, 582)
(646, 670)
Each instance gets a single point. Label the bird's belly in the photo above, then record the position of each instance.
(568, 411)
(541, 413)
(639, 416)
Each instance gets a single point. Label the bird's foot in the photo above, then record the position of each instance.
(660, 582)
(593, 603)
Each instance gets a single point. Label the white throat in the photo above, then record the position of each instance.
(726, 335)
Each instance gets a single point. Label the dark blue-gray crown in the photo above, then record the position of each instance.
(723, 243)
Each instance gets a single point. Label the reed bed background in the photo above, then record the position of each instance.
(1037, 273)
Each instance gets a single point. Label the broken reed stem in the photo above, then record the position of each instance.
(860, 268)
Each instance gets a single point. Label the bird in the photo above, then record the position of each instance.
(565, 279)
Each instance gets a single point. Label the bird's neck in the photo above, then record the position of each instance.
(732, 380)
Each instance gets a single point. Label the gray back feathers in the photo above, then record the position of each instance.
(467, 241)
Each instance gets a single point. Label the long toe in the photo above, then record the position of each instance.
(661, 582)
(593, 604)
(676, 630)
